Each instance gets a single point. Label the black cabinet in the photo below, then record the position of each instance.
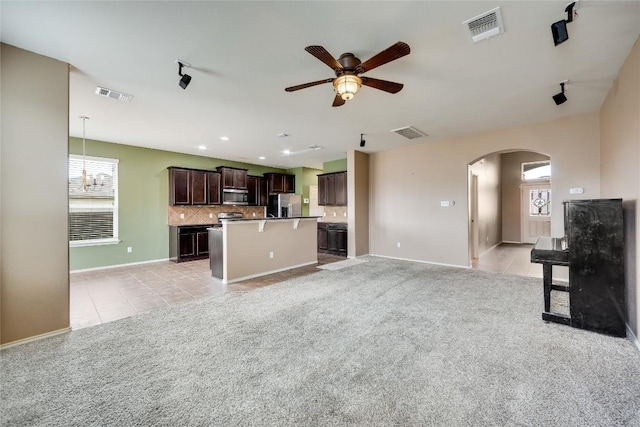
(323, 238)
(332, 189)
(193, 187)
(233, 178)
(332, 238)
(258, 194)
(280, 183)
(188, 242)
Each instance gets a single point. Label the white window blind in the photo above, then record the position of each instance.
(93, 201)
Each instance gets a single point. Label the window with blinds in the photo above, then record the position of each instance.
(93, 200)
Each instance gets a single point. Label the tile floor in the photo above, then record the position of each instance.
(105, 295)
(102, 296)
(509, 258)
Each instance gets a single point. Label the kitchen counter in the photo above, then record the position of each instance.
(244, 248)
(268, 218)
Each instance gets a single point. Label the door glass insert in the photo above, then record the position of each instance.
(540, 202)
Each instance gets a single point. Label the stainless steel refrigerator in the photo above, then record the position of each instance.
(284, 205)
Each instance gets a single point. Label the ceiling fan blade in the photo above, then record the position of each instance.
(324, 56)
(306, 85)
(392, 53)
(338, 101)
(391, 87)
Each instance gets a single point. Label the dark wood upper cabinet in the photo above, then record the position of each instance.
(193, 187)
(263, 192)
(213, 186)
(289, 183)
(341, 189)
(275, 182)
(199, 187)
(233, 178)
(179, 186)
(280, 182)
(332, 189)
(258, 191)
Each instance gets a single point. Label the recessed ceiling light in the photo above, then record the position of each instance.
(286, 152)
(262, 158)
(224, 138)
(202, 147)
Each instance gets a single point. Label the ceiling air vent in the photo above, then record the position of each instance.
(483, 26)
(108, 93)
(409, 132)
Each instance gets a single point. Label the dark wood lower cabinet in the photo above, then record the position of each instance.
(332, 238)
(188, 242)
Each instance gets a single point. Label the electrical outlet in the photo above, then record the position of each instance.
(210, 215)
(271, 254)
(334, 214)
(398, 244)
(345, 214)
(254, 214)
(129, 249)
(181, 216)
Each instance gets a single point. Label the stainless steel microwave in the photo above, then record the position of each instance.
(232, 196)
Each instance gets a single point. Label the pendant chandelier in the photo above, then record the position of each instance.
(88, 183)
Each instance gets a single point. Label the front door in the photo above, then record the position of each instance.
(535, 211)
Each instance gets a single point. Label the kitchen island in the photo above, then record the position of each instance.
(241, 249)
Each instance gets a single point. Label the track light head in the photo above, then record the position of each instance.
(561, 97)
(362, 141)
(185, 78)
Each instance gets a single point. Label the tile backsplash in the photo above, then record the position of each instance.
(335, 214)
(194, 215)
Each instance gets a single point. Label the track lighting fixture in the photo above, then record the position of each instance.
(362, 141)
(185, 78)
(561, 97)
(559, 29)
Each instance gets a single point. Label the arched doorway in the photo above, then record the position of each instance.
(498, 190)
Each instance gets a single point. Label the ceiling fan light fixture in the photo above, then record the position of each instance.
(347, 86)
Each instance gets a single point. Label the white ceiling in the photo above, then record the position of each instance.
(244, 54)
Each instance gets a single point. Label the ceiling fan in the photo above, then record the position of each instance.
(348, 69)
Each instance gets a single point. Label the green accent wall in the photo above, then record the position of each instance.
(305, 177)
(143, 199)
(335, 166)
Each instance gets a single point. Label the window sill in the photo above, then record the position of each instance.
(98, 242)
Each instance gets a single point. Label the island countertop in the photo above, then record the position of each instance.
(223, 220)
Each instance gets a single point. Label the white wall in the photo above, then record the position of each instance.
(620, 169)
(34, 237)
(408, 184)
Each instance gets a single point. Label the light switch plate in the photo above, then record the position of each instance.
(578, 190)
(444, 203)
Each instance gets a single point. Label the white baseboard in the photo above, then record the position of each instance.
(252, 276)
(420, 261)
(107, 267)
(632, 337)
(490, 249)
(34, 338)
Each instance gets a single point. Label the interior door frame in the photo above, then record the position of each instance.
(474, 232)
